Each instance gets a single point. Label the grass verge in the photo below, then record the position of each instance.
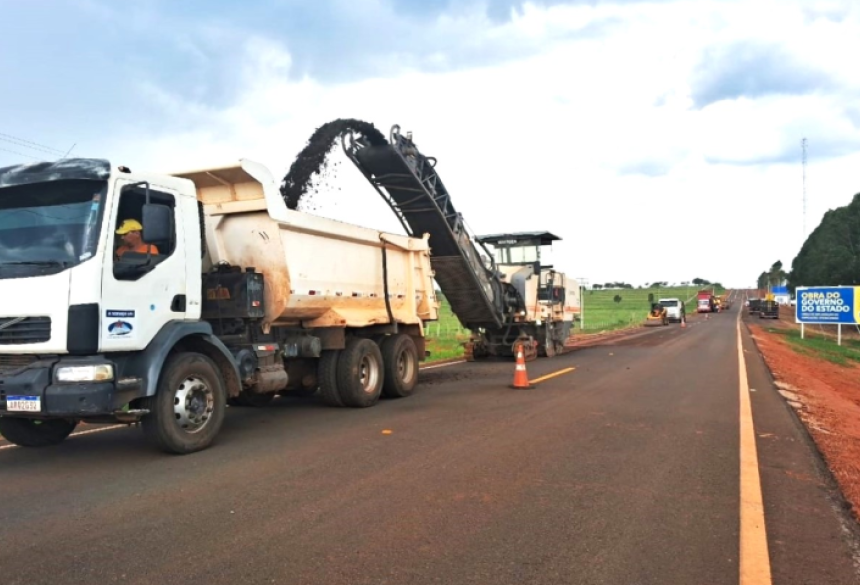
(847, 354)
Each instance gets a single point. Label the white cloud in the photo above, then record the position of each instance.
(593, 137)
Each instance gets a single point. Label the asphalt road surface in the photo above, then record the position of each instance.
(626, 470)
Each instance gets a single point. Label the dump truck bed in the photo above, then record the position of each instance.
(318, 272)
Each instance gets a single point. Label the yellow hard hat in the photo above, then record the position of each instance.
(129, 225)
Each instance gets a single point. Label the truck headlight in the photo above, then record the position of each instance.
(94, 373)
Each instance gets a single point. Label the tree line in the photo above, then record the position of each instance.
(656, 284)
(830, 256)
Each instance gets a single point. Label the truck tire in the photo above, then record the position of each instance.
(400, 363)
(327, 375)
(360, 373)
(188, 408)
(28, 432)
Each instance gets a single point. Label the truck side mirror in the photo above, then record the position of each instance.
(157, 223)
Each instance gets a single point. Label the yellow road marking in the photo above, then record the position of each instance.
(754, 563)
(553, 375)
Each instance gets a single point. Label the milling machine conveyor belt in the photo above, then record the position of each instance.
(410, 185)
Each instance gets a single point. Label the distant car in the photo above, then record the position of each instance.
(675, 309)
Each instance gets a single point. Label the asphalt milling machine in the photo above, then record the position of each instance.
(496, 285)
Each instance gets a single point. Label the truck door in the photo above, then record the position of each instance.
(141, 294)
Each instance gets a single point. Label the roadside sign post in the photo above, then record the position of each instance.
(827, 305)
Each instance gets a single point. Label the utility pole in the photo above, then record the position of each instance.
(583, 285)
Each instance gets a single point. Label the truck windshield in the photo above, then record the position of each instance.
(51, 224)
(669, 303)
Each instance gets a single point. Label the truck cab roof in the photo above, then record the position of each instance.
(67, 168)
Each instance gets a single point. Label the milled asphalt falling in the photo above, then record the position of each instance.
(624, 471)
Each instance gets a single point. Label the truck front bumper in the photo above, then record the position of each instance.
(33, 392)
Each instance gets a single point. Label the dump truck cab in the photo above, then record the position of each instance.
(705, 302)
(84, 331)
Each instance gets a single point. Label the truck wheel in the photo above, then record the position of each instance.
(188, 409)
(28, 432)
(327, 375)
(400, 361)
(360, 373)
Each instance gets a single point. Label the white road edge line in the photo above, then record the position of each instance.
(441, 365)
(78, 434)
(754, 560)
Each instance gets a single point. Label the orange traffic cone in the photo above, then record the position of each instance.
(521, 377)
(683, 323)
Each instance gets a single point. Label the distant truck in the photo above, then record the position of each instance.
(768, 308)
(754, 305)
(233, 298)
(675, 309)
(705, 302)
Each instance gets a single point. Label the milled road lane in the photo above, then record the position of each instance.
(625, 469)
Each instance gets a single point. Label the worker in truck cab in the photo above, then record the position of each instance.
(130, 231)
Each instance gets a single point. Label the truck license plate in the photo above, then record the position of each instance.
(23, 404)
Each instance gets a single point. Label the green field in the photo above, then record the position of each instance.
(602, 313)
(446, 336)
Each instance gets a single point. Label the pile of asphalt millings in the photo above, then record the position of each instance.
(312, 159)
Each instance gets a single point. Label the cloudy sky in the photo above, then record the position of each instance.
(660, 139)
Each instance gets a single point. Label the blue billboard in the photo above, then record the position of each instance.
(827, 305)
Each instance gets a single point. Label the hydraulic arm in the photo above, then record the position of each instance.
(503, 304)
(408, 182)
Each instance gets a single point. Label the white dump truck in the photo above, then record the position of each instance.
(221, 295)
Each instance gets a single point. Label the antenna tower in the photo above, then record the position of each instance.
(803, 145)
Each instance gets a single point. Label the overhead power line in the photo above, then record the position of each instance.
(29, 144)
(20, 153)
(35, 148)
